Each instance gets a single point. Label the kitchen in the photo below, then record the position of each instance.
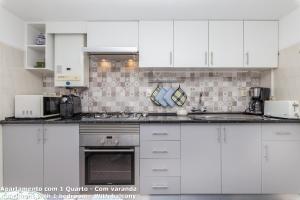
(197, 101)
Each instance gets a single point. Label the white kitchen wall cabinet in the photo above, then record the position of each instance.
(41, 155)
(226, 44)
(156, 44)
(71, 64)
(61, 148)
(241, 159)
(23, 155)
(76, 27)
(281, 160)
(200, 159)
(112, 34)
(261, 44)
(190, 43)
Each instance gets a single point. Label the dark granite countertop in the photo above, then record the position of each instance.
(163, 118)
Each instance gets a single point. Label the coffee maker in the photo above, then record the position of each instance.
(258, 96)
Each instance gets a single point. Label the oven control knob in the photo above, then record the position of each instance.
(116, 142)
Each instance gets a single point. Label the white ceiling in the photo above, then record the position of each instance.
(148, 9)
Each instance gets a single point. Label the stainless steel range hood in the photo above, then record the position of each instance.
(111, 50)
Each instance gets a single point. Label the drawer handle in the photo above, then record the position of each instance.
(160, 186)
(283, 133)
(160, 151)
(159, 133)
(159, 169)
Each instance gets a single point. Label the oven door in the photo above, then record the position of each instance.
(108, 166)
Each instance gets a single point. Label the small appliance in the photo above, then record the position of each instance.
(258, 95)
(70, 105)
(282, 109)
(36, 106)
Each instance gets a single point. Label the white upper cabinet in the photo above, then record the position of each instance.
(261, 43)
(191, 44)
(226, 43)
(112, 34)
(156, 44)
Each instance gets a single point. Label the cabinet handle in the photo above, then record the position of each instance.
(283, 133)
(266, 156)
(159, 133)
(159, 151)
(206, 58)
(171, 58)
(211, 58)
(38, 135)
(160, 169)
(160, 186)
(247, 58)
(224, 135)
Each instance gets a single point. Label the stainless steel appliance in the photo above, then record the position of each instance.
(36, 106)
(110, 116)
(109, 155)
(282, 109)
(258, 95)
(70, 106)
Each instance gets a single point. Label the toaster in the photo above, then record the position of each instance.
(282, 109)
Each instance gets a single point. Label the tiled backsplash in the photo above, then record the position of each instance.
(119, 87)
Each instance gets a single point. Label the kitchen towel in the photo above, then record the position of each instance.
(154, 94)
(160, 97)
(179, 97)
(168, 97)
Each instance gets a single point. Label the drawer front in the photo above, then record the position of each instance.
(160, 167)
(160, 132)
(160, 149)
(160, 185)
(281, 132)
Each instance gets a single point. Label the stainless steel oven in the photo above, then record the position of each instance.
(109, 155)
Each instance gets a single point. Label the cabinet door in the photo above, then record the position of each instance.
(191, 44)
(280, 167)
(61, 155)
(241, 159)
(200, 159)
(261, 43)
(156, 44)
(113, 34)
(226, 43)
(23, 155)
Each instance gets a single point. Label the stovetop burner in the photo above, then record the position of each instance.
(111, 116)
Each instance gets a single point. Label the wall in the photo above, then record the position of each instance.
(289, 29)
(287, 76)
(123, 88)
(13, 78)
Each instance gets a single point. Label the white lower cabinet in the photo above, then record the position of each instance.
(41, 155)
(281, 160)
(220, 159)
(160, 159)
(200, 159)
(241, 159)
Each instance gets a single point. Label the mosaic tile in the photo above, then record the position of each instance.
(119, 88)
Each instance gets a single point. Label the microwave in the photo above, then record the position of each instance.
(37, 106)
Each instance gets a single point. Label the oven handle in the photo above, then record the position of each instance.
(108, 150)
